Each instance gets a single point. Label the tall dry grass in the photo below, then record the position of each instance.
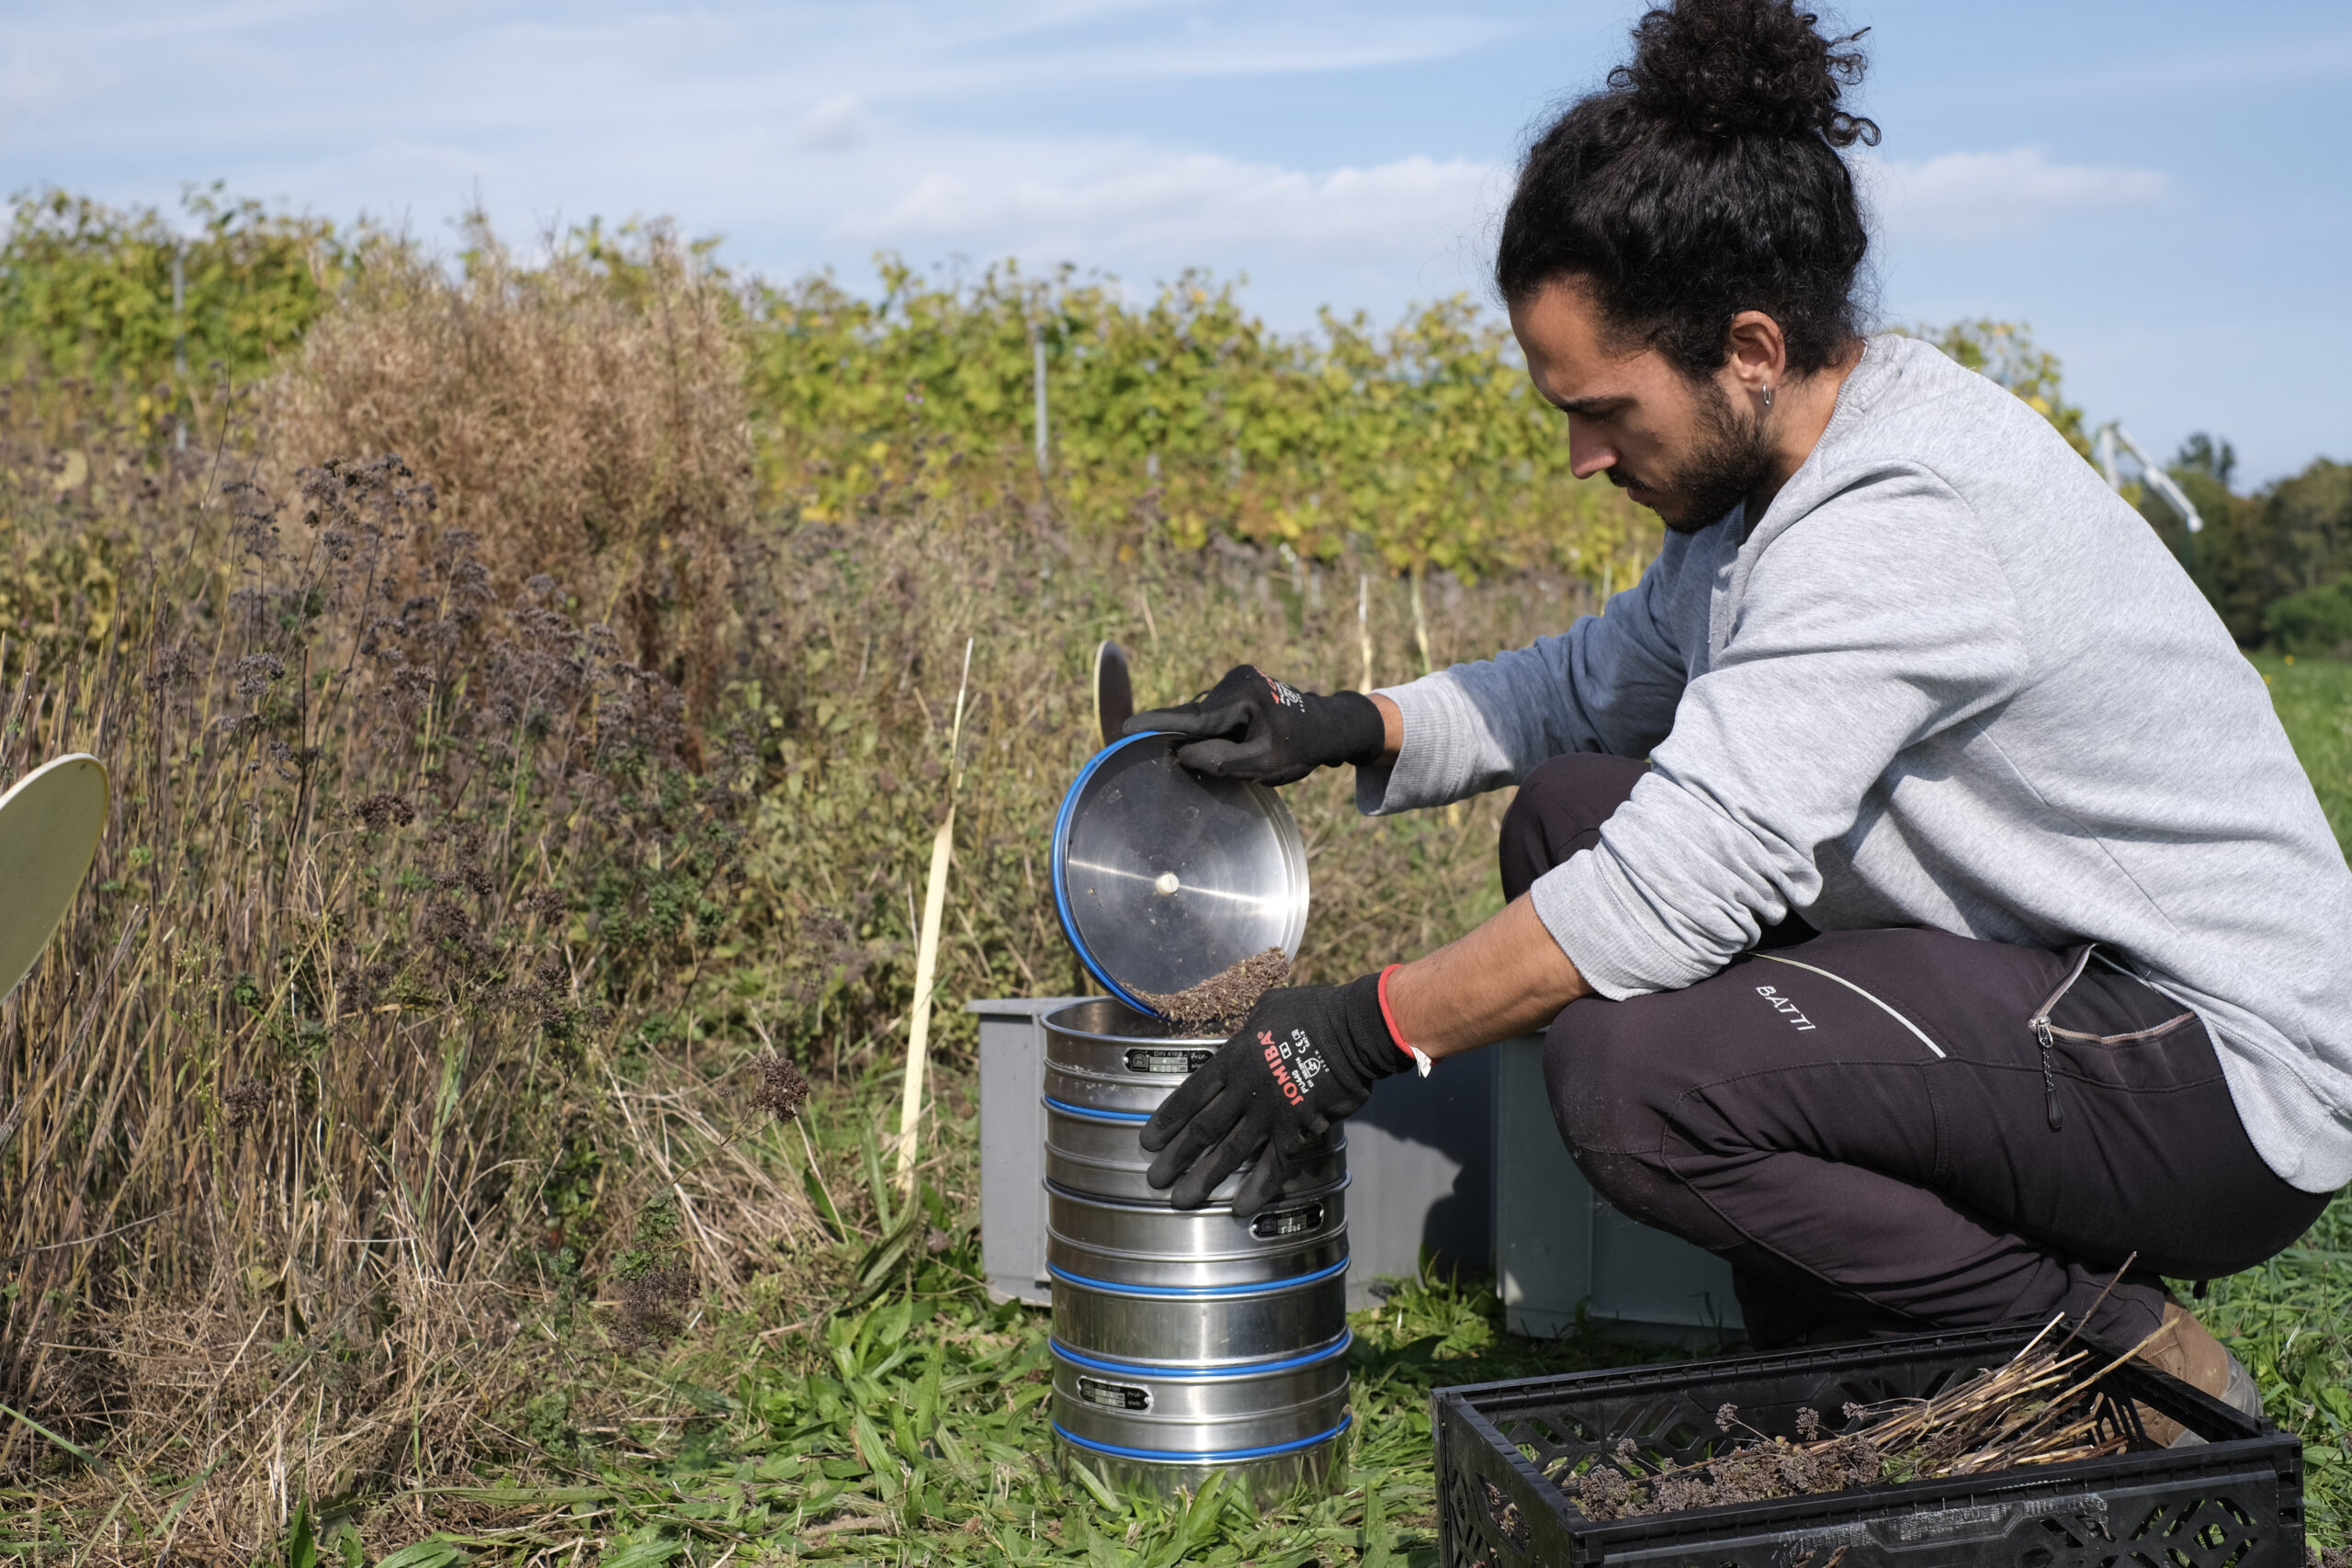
(390, 1071)
(584, 417)
(337, 1073)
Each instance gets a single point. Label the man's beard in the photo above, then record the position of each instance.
(1731, 459)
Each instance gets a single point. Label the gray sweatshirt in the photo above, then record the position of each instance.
(1948, 680)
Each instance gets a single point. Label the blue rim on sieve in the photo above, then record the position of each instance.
(1204, 1371)
(1291, 878)
(1090, 1114)
(1213, 1456)
(1060, 868)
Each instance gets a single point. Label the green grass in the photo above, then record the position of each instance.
(2314, 700)
(2290, 1322)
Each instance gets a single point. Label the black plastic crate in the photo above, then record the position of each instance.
(2236, 1502)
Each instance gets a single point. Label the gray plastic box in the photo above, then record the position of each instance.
(1464, 1166)
(1558, 1242)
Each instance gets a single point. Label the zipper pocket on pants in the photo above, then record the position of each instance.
(2040, 1024)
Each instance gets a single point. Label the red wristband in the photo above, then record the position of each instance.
(1388, 1016)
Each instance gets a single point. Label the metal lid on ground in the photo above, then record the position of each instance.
(1165, 878)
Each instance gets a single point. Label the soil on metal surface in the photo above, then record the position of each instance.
(1219, 1004)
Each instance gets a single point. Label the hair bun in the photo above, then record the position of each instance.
(1721, 68)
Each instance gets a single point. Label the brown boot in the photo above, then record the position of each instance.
(2188, 1350)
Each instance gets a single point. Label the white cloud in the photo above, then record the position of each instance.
(34, 83)
(1179, 208)
(837, 125)
(1961, 195)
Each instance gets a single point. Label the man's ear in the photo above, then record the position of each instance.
(1758, 357)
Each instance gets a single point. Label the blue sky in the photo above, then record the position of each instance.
(2161, 189)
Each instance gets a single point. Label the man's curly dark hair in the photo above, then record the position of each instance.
(1705, 179)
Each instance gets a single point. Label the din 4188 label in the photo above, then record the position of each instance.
(1295, 1220)
(1140, 1061)
(1113, 1395)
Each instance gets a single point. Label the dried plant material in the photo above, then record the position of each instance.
(382, 810)
(655, 1280)
(2042, 1407)
(245, 1102)
(782, 1087)
(652, 1306)
(1219, 1004)
(578, 432)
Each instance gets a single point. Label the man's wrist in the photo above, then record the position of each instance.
(1392, 729)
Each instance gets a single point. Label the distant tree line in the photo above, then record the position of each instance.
(2277, 563)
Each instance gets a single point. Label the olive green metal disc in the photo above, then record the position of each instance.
(50, 824)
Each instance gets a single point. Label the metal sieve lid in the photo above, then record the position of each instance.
(1164, 878)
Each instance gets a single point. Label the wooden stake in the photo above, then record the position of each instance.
(1420, 621)
(934, 909)
(1363, 623)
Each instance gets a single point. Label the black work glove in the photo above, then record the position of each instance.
(1251, 726)
(1309, 1055)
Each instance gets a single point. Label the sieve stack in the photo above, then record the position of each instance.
(1186, 1342)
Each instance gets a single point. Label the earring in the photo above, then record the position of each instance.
(1768, 394)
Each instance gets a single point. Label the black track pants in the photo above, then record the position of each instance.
(1867, 1126)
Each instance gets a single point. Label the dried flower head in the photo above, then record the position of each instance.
(781, 1090)
(245, 1102)
(171, 667)
(252, 674)
(377, 812)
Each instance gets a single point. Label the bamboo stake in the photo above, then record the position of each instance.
(1363, 623)
(934, 909)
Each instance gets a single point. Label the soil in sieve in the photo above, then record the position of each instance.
(1219, 1004)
